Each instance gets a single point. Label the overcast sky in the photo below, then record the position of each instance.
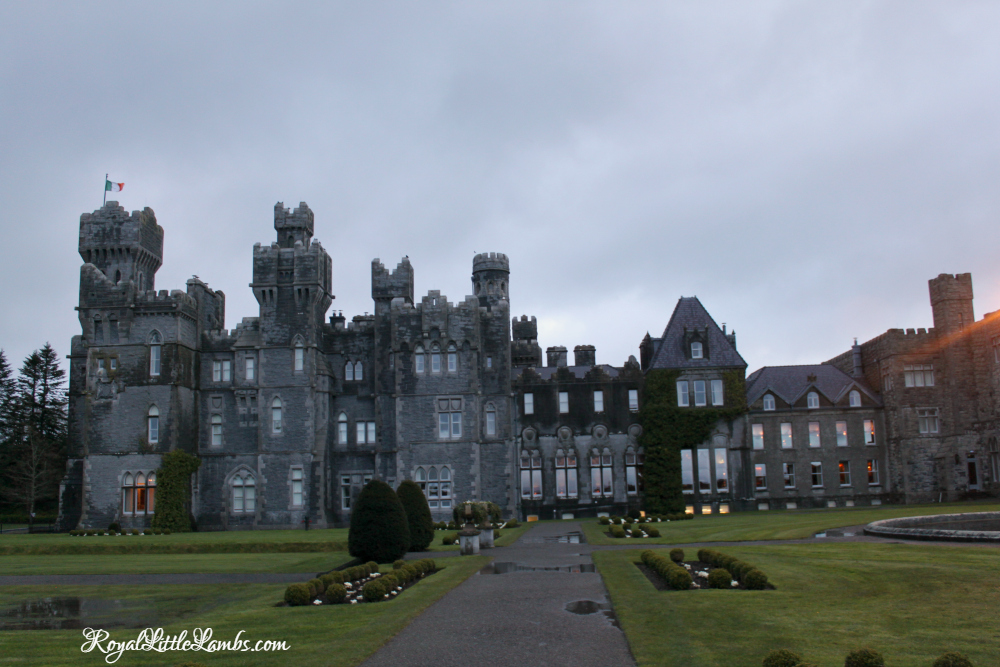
(802, 167)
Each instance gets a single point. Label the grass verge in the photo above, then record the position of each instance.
(172, 563)
(337, 635)
(910, 602)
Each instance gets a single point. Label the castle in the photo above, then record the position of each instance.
(292, 412)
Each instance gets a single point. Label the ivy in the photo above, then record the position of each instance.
(173, 491)
(667, 429)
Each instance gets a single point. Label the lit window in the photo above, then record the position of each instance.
(349, 371)
(788, 473)
(529, 404)
(699, 392)
(721, 471)
(757, 430)
(760, 476)
(786, 436)
(563, 402)
(633, 400)
(814, 434)
(250, 368)
(300, 358)
(342, 429)
(817, 474)
(634, 472)
(128, 494)
(704, 471)
(531, 476)
(598, 401)
(491, 421)
(927, 420)
(435, 360)
(601, 482)
(812, 400)
(687, 472)
(717, 392)
(154, 354)
(296, 487)
(216, 430)
(869, 431)
(418, 357)
(696, 350)
(682, 394)
(153, 425)
(845, 473)
(276, 415)
(842, 434)
(359, 372)
(566, 476)
(452, 359)
(855, 397)
(918, 375)
(138, 494)
(768, 402)
(244, 493)
(872, 472)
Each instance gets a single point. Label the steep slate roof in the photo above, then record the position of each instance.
(791, 382)
(691, 314)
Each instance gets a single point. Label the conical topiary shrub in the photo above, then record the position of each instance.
(418, 515)
(379, 530)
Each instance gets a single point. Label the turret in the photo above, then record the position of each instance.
(124, 247)
(294, 225)
(490, 278)
(951, 301)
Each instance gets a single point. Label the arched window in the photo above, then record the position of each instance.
(300, 357)
(445, 489)
(98, 331)
(244, 493)
(566, 476)
(696, 350)
(141, 499)
(359, 373)
(342, 429)
(812, 400)
(118, 277)
(768, 402)
(138, 494)
(855, 398)
(276, 415)
(142, 284)
(418, 360)
(153, 425)
(349, 371)
(452, 358)
(435, 359)
(155, 341)
(128, 494)
(216, 430)
(491, 420)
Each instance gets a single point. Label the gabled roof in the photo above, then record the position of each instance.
(671, 352)
(790, 382)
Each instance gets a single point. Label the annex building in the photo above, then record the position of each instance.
(295, 409)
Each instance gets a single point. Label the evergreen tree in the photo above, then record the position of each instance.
(173, 491)
(379, 530)
(8, 388)
(418, 515)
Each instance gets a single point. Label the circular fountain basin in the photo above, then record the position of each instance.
(968, 527)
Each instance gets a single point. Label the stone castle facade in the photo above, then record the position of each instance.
(292, 412)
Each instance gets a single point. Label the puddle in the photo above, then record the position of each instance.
(571, 538)
(76, 613)
(584, 607)
(507, 568)
(835, 533)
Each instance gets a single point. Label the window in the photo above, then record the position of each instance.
(300, 358)
(392, 360)
(634, 472)
(600, 475)
(842, 434)
(489, 362)
(452, 358)
(845, 473)
(687, 472)
(788, 473)
(349, 371)
(296, 487)
(227, 371)
(812, 400)
(696, 350)
(814, 434)
(757, 432)
(491, 421)
(855, 397)
(633, 400)
(886, 378)
(529, 404)
(449, 418)
(531, 476)
(704, 471)
(598, 401)
(994, 449)
(918, 375)
(222, 371)
(563, 402)
(359, 372)
(566, 480)
(682, 394)
(216, 371)
(418, 365)
(869, 431)
(366, 432)
(760, 476)
(100, 364)
(872, 472)
(971, 465)
(276, 415)
(244, 493)
(817, 474)
(153, 425)
(445, 488)
(721, 471)
(249, 368)
(114, 363)
(113, 329)
(699, 392)
(154, 354)
(717, 392)
(786, 436)
(216, 430)
(768, 402)
(138, 494)
(927, 420)
(345, 492)
(98, 331)
(342, 429)
(435, 360)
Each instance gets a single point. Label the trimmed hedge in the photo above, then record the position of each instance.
(418, 515)
(617, 531)
(864, 657)
(374, 591)
(745, 573)
(675, 576)
(720, 578)
(297, 595)
(677, 555)
(952, 659)
(449, 538)
(336, 593)
(782, 657)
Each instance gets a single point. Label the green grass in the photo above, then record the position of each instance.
(172, 563)
(774, 524)
(507, 537)
(911, 603)
(338, 635)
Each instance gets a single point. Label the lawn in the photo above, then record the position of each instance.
(172, 563)
(775, 524)
(910, 602)
(337, 635)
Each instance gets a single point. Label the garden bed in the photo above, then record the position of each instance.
(359, 584)
(711, 570)
(694, 567)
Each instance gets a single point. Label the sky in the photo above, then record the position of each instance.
(803, 168)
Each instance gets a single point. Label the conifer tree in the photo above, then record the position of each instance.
(418, 515)
(379, 530)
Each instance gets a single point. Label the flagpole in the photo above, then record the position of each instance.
(105, 191)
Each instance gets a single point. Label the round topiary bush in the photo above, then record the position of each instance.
(617, 531)
(755, 580)
(864, 657)
(678, 579)
(316, 587)
(418, 515)
(398, 565)
(297, 595)
(653, 532)
(373, 591)
(953, 659)
(114, 527)
(513, 523)
(449, 538)
(379, 529)
(332, 578)
(677, 555)
(604, 521)
(390, 581)
(720, 578)
(336, 593)
(782, 657)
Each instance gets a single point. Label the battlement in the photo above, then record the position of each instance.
(490, 261)
(399, 283)
(524, 329)
(176, 296)
(294, 225)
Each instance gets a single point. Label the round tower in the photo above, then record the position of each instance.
(491, 278)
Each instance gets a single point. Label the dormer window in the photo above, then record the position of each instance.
(768, 402)
(696, 350)
(812, 400)
(855, 398)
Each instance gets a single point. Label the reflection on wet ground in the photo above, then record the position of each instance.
(507, 568)
(72, 613)
(571, 538)
(590, 607)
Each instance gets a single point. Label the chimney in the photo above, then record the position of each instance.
(556, 356)
(856, 353)
(584, 355)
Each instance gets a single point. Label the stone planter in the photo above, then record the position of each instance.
(468, 541)
(486, 538)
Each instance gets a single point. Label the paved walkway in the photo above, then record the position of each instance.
(147, 579)
(514, 619)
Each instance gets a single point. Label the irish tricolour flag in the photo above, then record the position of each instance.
(113, 187)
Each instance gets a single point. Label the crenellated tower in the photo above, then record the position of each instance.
(491, 278)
